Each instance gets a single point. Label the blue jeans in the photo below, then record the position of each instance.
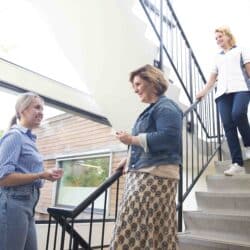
(233, 111)
(17, 206)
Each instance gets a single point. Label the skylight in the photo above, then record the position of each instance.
(26, 40)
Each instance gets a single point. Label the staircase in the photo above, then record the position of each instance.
(201, 137)
(222, 221)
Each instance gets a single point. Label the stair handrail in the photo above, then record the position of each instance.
(153, 8)
(66, 216)
(148, 4)
(191, 59)
(186, 40)
(61, 214)
(74, 212)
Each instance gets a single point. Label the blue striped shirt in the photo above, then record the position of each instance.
(19, 154)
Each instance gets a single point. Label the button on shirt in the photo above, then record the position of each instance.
(229, 71)
(18, 154)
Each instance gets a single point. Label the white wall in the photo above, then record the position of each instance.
(104, 41)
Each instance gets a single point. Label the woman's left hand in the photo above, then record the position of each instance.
(52, 174)
(124, 137)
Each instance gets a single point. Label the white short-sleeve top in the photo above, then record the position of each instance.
(228, 68)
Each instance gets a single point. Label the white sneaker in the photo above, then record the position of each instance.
(247, 153)
(234, 169)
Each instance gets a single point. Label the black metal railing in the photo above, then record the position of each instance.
(201, 136)
(202, 133)
(175, 49)
(175, 45)
(198, 150)
(71, 235)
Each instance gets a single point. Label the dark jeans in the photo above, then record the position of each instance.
(233, 111)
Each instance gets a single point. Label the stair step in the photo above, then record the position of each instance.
(234, 203)
(229, 184)
(233, 227)
(188, 241)
(221, 166)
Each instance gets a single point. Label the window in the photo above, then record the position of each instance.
(81, 177)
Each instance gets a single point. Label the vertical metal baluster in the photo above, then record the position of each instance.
(117, 198)
(214, 121)
(187, 156)
(91, 222)
(63, 233)
(75, 244)
(71, 233)
(201, 135)
(192, 143)
(186, 69)
(56, 231)
(161, 36)
(181, 55)
(197, 144)
(218, 134)
(104, 219)
(48, 233)
(180, 197)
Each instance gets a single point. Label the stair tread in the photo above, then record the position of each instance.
(193, 236)
(223, 177)
(227, 214)
(227, 163)
(224, 194)
(223, 209)
(228, 184)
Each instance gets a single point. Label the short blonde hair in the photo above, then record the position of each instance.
(153, 76)
(226, 31)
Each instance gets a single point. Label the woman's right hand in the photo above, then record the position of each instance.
(201, 94)
(208, 86)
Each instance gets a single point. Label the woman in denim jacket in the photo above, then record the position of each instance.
(147, 213)
(21, 176)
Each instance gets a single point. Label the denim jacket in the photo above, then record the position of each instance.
(162, 123)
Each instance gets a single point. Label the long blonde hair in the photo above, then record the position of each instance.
(226, 31)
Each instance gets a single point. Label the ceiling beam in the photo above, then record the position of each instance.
(17, 79)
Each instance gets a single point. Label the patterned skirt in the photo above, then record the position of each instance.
(147, 214)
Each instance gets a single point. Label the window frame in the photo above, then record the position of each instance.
(82, 156)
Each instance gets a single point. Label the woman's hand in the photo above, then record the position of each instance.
(124, 137)
(209, 85)
(121, 165)
(201, 94)
(52, 174)
(14, 179)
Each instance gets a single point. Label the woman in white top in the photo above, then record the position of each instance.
(231, 73)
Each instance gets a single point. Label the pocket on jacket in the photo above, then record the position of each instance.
(144, 124)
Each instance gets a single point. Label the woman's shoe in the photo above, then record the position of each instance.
(247, 153)
(235, 169)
